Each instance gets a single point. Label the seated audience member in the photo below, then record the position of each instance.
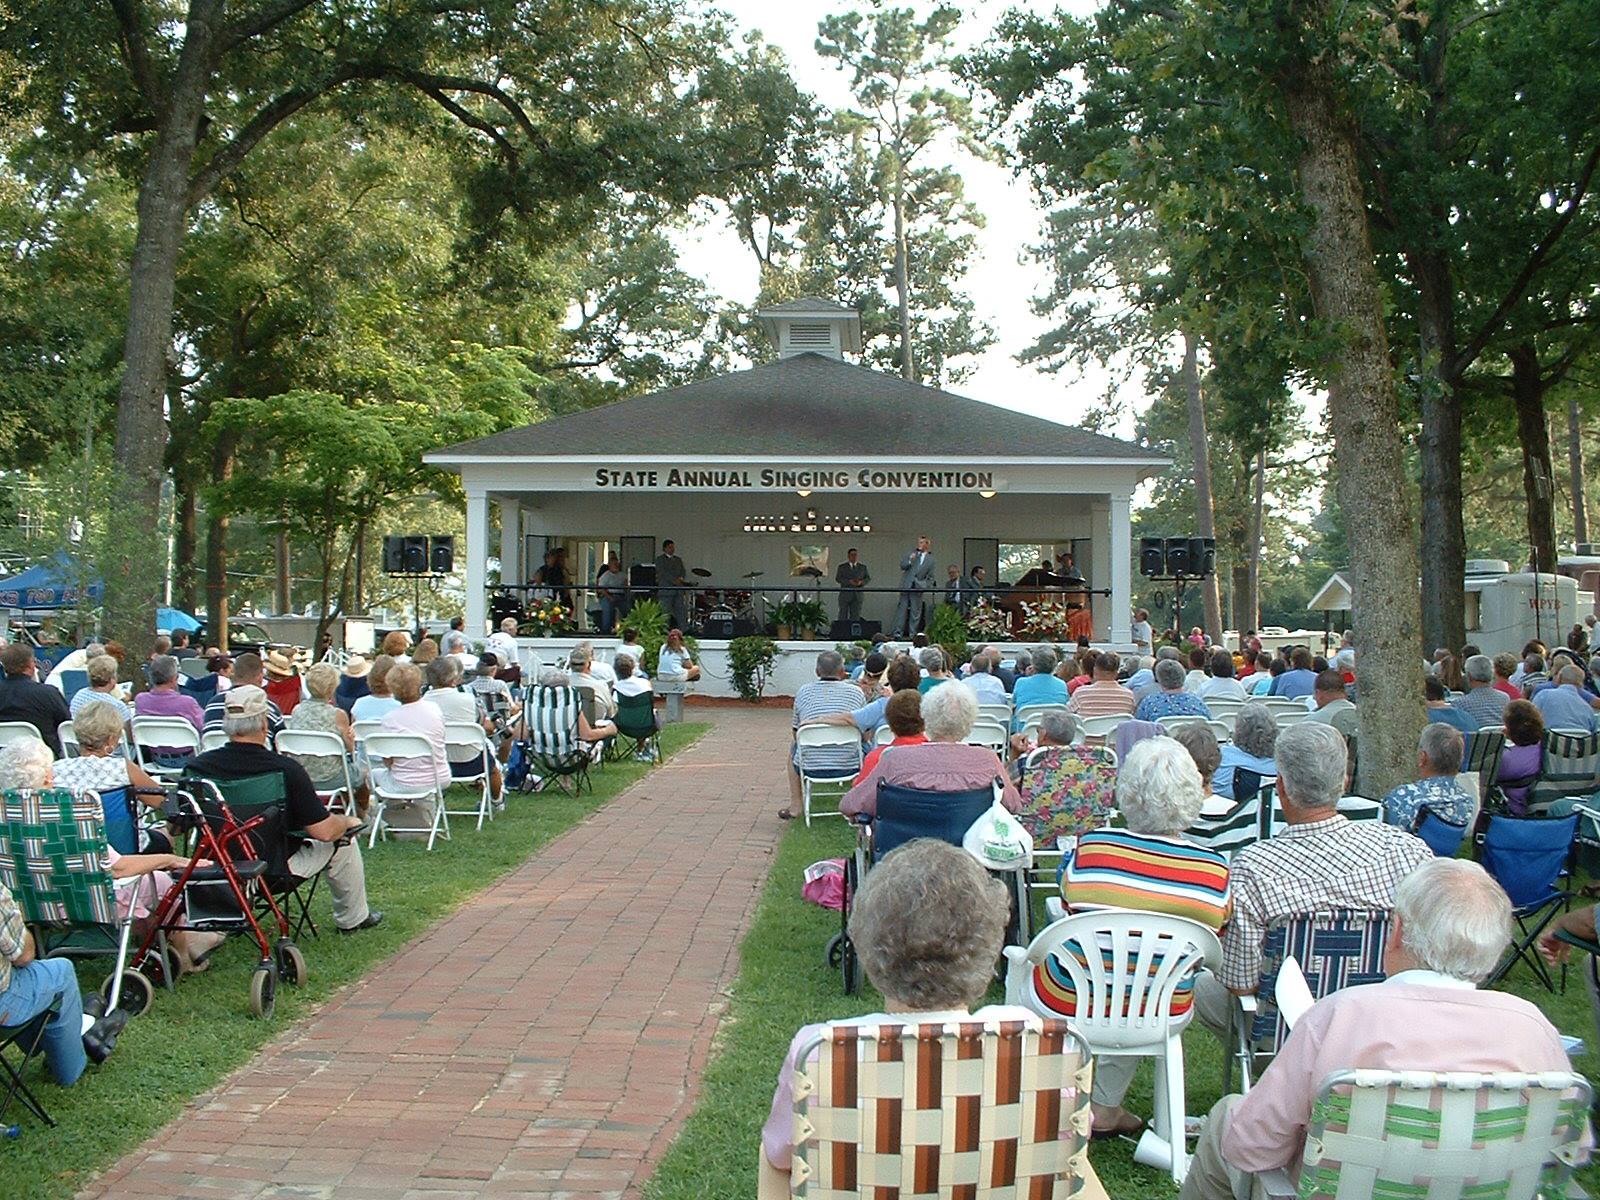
(1333, 705)
(377, 701)
(456, 646)
(326, 841)
(631, 647)
(1203, 748)
(1505, 666)
(1142, 677)
(935, 664)
(903, 716)
(1439, 754)
(1451, 925)
(1531, 674)
(163, 699)
(319, 714)
(1244, 665)
(352, 683)
(502, 643)
(1103, 696)
(219, 674)
(1523, 756)
(1082, 671)
(1066, 789)
(415, 716)
(945, 764)
(675, 663)
(30, 985)
(492, 692)
(1449, 673)
(855, 662)
(1440, 710)
(1198, 659)
(629, 681)
(1265, 677)
(457, 705)
(985, 684)
(247, 672)
(426, 651)
(1255, 739)
(598, 668)
(1170, 699)
(870, 680)
(284, 686)
(1041, 687)
(829, 694)
(1220, 684)
(927, 924)
(1321, 860)
(1148, 866)
(102, 689)
(901, 675)
(1566, 705)
(1298, 681)
(24, 698)
(99, 767)
(588, 731)
(580, 667)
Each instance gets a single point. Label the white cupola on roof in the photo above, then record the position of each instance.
(812, 325)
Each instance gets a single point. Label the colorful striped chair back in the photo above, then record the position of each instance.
(1067, 790)
(1571, 768)
(53, 857)
(1444, 1135)
(1336, 949)
(971, 1108)
(550, 724)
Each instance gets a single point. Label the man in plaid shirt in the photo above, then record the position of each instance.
(30, 985)
(1321, 861)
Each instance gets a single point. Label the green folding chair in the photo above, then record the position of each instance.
(636, 719)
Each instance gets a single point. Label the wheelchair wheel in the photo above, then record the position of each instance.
(137, 992)
(264, 990)
(849, 966)
(292, 964)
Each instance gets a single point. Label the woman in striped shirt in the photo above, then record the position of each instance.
(1149, 866)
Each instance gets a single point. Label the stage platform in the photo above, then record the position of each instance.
(796, 663)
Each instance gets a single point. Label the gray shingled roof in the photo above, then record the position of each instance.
(808, 304)
(803, 406)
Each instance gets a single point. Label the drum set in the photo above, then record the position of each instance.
(721, 608)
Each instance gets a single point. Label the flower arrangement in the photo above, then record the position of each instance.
(546, 618)
(985, 621)
(802, 618)
(1046, 621)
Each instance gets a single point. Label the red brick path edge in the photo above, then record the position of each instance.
(545, 1040)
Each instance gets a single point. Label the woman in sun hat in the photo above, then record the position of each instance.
(283, 686)
(353, 682)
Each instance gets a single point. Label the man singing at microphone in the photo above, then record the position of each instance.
(916, 589)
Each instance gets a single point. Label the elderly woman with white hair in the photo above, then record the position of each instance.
(944, 764)
(99, 767)
(1149, 866)
(928, 924)
(1255, 737)
(29, 765)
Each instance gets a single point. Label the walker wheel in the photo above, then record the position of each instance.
(292, 964)
(263, 990)
(137, 992)
(849, 967)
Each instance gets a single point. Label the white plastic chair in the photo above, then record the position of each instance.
(1284, 717)
(811, 738)
(319, 743)
(361, 729)
(882, 735)
(210, 739)
(1124, 983)
(1103, 727)
(997, 712)
(14, 732)
(990, 733)
(1223, 729)
(172, 732)
(1220, 705)
(69, 740)
(1179, 720)
(381, 746)
(466, 734)
(1033, 712)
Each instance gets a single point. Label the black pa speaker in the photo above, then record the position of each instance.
(719, 627)
(642, 575)
(854, 631)
(441, 555)
(414, 554)
(1178, 557)
(393, 555)
(744, 627)
(1203, 555)
(1152, 557)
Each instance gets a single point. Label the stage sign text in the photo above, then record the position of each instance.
(867, 479)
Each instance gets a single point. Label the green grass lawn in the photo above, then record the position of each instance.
(190, 1039)
(783, 983)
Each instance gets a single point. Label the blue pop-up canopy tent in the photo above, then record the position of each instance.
(53, 583)
(174, 619)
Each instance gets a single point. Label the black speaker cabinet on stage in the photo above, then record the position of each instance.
(1152, 557)
(854, 631)
(642, 575)
(719, 627)
(441, 555)
(394, 554)
(414, 554)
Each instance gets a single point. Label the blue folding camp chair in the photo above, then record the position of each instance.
(1529, 858)
(1443, 838)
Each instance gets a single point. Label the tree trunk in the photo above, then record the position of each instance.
(1527, 392)
(902, 276)
(217, 549)
(185, 585)
(1204, 512)
(1239, 616)
(1365, 418)
(1580, 503)
(359, 600)
(282, 567)
(1258, 521)
(132, 576)
(1444, 537)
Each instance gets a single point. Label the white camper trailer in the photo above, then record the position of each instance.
(1507, 609)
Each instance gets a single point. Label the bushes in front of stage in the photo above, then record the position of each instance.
(750, 659)
(948, 629)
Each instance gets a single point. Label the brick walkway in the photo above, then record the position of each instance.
(546, 1040)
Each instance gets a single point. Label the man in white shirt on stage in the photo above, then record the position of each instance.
(672, 584)
(916, 589)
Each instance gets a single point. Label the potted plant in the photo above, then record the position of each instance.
(802, 619)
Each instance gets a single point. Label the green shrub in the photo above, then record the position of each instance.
(949, 630)
(751, 659)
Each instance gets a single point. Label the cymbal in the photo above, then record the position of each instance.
(752, 575)
(700, 572)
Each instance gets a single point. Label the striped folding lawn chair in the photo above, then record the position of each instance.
(555, 750)
(1337, 948)
(1440, 1135)
(985, 1109)
(1571, 769)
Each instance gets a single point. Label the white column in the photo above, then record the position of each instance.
(1099, 564)
(1121, 570)
(510, 540)
(477, 551)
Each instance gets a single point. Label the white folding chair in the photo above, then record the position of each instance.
(1103, 727)
(14, 732)
(882, 735)
(991, 733)
(1223, 729)
(1032, 712)
(1124, 969)
(163, 732)
(360, 729)
(1178, 720)
(1284, 717)
(384, 746)
(69, 740)
(822, 753)
(468, 735)
(1223, 706)
(321, 744)
(997, 712)
(210, 739)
